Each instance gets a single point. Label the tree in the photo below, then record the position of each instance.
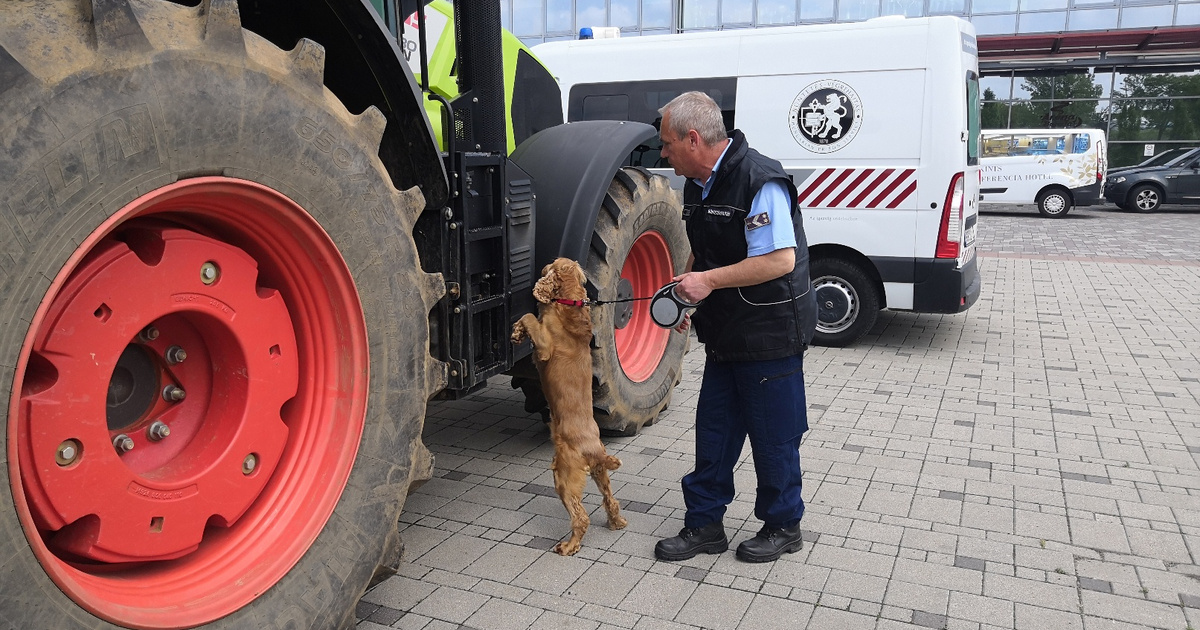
(993, 114)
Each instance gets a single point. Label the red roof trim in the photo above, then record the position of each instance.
(1089, 43)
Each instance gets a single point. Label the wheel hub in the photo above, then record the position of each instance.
(837, 304)
(143, 487)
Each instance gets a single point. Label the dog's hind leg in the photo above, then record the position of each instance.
(600, 476)
(570, 477)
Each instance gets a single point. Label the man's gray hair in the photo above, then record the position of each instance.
(696, 110)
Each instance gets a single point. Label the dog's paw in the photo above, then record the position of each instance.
(518, 334)
(617, 522)
(565, 548)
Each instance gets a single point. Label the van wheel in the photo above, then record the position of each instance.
(847, 302)
(1054, 203)
(1144, 198)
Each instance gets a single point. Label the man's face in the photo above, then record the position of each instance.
(680, 152)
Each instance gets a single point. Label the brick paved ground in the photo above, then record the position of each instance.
(1030, 464)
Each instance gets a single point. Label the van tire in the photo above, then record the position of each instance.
(847, 301)
(1054, 203)
(143, 100)
(1144, 198)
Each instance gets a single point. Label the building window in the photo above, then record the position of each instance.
(776, 12)
(995, 24)
(816, 10)
(559, 14)
(857, 10)
(737, 12)
(1091, 19)
(656, 13)
(1146, 17)
(1044, 22)
(699, 14)
(948, 7)
(907, 8)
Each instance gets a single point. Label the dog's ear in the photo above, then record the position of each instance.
(546, 287)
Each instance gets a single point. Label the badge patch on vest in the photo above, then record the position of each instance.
(759, 220)
(720, 212)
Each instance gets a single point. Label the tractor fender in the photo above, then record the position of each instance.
(572, 166)
(363, 67)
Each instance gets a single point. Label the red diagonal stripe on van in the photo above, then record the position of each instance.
(832, 186)
(874, 203)
(872, 186)
(816, 183)
(852, 187)
(904, 195)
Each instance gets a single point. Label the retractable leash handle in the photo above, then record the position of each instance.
(667, 309)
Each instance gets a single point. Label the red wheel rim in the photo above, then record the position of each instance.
(193, 525)
(641, 343)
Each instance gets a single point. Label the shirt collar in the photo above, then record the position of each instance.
(706, 185)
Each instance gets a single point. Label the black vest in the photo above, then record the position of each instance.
(771, 320)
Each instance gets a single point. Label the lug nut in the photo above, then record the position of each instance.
(123, 443)
(175, 355)
(249, 464)
(67, 453)
(209, 272)
(148, 334)
(158, 430)
(172, 393)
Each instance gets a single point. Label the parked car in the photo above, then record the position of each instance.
(1158, 159)
(1144, 189)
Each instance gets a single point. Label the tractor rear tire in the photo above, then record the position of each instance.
(167, 176)
(639, 245)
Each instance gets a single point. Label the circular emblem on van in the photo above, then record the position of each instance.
(825, 116)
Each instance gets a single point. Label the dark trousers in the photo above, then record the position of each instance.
(765, 401)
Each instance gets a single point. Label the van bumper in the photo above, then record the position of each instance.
(941, 287)
(1089, 195)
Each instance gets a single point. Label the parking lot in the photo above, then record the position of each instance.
(1029, 464)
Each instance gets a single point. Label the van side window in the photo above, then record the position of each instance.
(640, 101)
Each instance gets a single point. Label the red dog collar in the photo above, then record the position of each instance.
(579, 303)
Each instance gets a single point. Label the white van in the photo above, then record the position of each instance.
(1055, 168)
(877, 122)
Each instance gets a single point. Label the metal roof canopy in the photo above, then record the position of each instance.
(1130, 47)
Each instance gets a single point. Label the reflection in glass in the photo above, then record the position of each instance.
(994, 24)
(776, 12)
(993, 115)
(527, 17)
(855, 10)
(1092, 19)
(1042, 22)
(558, 16)
(699, 13)
(993, 6)
(1150, 120)
(1187, 14)
(737, 11)
(590, 13)
(947, 7)
(505, 16)
(907, 8)
(1158, 84)
(1144, 17)
(1042, 5)
(623, 13)
(816, 10)
(656, 14)
(996, 87)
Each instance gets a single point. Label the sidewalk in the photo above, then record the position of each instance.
(1029, 464)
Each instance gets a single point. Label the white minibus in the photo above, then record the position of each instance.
(877, 122)
(1055, 168)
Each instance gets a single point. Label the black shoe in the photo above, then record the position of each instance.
(691, 541)
(770, 543)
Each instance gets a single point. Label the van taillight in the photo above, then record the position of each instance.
(950, 232)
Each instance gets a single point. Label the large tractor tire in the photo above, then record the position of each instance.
(638, 245)
(213, 331)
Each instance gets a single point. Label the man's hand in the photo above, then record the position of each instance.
(685, 324)
(692, 286)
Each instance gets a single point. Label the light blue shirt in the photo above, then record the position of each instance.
(771, 200)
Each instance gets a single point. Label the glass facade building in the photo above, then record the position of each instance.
(1147, 103)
